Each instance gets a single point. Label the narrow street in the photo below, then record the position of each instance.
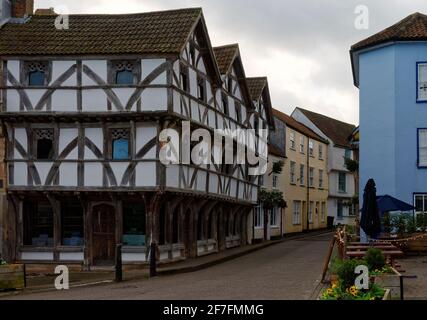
(288, 270)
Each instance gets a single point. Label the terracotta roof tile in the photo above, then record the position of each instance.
(225, 56)
(335, 130)
(412, 28)
(151, 32)
(256, 86)
(294, 124)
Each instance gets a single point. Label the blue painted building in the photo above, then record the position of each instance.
(390, 70)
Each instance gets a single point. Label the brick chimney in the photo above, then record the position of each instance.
(22, 8)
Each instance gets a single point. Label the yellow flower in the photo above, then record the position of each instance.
(334, 286)
(329, 291)
(353, 291)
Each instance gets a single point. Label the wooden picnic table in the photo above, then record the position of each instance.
(381, 247)
(389, 254)
(370, 244)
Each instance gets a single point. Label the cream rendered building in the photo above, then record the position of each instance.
(304, 179)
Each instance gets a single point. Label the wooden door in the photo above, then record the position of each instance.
(103, 235)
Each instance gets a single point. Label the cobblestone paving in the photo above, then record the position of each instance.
(288, 270)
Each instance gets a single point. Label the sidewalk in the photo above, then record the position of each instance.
(77, 279)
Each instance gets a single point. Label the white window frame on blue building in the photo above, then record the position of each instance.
(422, 82)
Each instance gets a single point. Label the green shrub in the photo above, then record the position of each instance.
(386, 222)
(375, 259)
(399, 224)
(346, 273)
(421, 221)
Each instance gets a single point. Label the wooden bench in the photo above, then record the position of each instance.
(381, 247)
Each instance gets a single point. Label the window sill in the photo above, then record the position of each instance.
(259, 227)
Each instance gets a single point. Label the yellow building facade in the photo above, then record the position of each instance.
(304, 179)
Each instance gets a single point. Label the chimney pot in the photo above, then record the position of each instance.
(22, 8)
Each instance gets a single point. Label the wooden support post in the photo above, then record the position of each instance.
(153, 263)
(119, 266)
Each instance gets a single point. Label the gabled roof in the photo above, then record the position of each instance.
(256, 86)
(335, 130)
(160, 32)
(412, 28)
(225, 56)
(294, 124)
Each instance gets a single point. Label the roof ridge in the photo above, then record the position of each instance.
(195, 9)
(322, 115)
(227, 46)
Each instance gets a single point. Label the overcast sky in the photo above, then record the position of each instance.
(300, 45)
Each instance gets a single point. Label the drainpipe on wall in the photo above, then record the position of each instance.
(308, 183)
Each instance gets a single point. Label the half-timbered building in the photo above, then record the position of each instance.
(82, 109)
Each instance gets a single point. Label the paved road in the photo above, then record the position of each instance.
(288, 270)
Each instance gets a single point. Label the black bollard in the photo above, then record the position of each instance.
(119, 269)
(153, 250)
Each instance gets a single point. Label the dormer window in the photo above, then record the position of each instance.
(36, 73)
(124, 72)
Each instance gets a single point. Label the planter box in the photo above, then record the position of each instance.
(12, 277)
(387, 295)
(390, 282)
(419, 245)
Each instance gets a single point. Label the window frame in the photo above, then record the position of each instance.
(47, 65)
(274, 213)
(311, 176)
(34, 146)
(258, 217)
(311, 206)
(201, 84)
(113, 71)
(184, 78)
(420, 165)
(320, 151)
(302, 174)
(292, 169)
(417, 88)
(311, 148)
(292, 139)
(110, 149)
(302, 144)
(323, 211)
(340, 174)
(275, 181)
(296, 213)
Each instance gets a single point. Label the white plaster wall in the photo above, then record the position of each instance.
(59, 67)
(64, 101)
(177, 102)
(66, 135)
(13, 67)
(146, 174)
(13, 100)
(119, 168)
(213, 183)
(97, 66)
(94, 100)
(34, 95)
(21, 137)
(201, 66)
(124, 95)
(96, 136)
(149, 65)
(144, 133)
(20, 174)
(68, 174)
(172, 176)
(193, 82)
(201, 181)
(154, 99)
(176, 71)
(93, 174)
(43, 169)
(211, 118)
